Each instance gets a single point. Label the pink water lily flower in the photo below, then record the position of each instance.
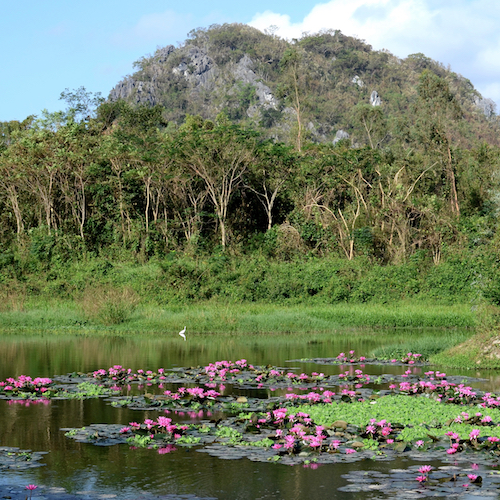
(31, 487)
(474, 433)
(425, 469)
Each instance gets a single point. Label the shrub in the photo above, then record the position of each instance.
(107, 305)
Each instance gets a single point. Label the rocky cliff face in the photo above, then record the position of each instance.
(239, 70)
(200, 73)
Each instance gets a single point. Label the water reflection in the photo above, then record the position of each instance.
(125, 472)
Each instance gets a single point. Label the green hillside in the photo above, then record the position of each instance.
(326, 82)
(243, 167)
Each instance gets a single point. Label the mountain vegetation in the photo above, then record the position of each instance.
(251, 168)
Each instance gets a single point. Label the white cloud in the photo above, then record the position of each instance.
(462, 33)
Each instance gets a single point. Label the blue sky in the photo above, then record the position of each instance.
(48, 46)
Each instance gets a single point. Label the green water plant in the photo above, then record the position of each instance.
(86, 390)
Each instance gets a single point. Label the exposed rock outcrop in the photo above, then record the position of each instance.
(142, 92)
(341, 134)
(197, 67)
(375, 99)
(244, 73)
(487, 106)
(357, 80)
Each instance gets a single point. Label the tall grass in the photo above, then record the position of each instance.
(120, 313)
(107, 305)
(427, 345)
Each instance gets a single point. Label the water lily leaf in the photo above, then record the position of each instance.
(252, 429)
(357, 444)
(340, 424)
(401, 447)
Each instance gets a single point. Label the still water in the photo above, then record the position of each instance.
(127, 473)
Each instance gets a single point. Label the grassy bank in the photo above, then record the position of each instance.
(212, 317)
(482, 350)
(230, 294)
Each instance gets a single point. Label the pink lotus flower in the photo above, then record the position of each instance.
(425, 469)
(472, 477)
(348, 451)
(335, 444)
(474, 434)
(31, 487)
(421, 479)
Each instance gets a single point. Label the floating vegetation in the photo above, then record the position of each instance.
(16, 459)
(350, 358)
(33, 392)
(312, 419)
(292, 436)
(425, 481)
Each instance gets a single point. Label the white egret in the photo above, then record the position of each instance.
(182, 333)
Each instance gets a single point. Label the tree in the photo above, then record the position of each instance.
(269, 174)
(293, 86)
(82, 104)
(371, 120)
(220, 157)
(437, 114)
(77, 153)
(10, 130)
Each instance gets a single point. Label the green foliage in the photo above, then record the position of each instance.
(108, 305)
(231, 435)
(140, 441)
(88, 390)
(405, 209)
(189, 440)
(420, 416)
(82, 104)
(428, 346)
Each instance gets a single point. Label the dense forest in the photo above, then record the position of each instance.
(240, 150)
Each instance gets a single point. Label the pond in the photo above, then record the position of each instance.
(118, 471)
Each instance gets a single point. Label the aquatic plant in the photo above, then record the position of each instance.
(354, 419)
(86, 390)
(350, 358)
(26, 385)
(31, 488)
